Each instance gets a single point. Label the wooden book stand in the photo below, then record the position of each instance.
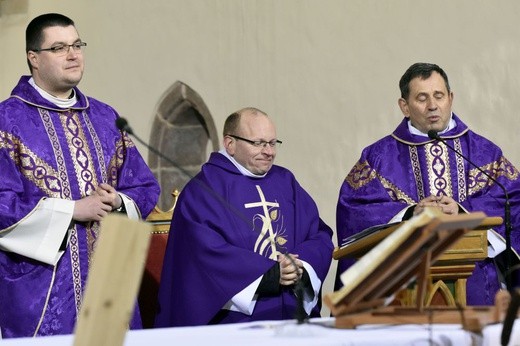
(405, 255)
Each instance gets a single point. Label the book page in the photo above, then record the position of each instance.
(360, 270)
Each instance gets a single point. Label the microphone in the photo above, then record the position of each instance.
(515, 299)
(300, 314)
(122, 124)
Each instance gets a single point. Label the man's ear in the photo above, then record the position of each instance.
(229, 145)
(404, 107)
(32, 57)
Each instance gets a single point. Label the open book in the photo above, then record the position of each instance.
(366, 232)
(358, 244)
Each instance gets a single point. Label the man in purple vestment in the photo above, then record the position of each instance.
(64, 166)
(244, 236)
(399, 175)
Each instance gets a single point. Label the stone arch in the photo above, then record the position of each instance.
(184, 131)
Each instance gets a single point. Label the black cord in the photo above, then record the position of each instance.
(510, 318)
(300, 314)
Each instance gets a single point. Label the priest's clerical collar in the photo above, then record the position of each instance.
(61, 103)
(451, 125)
(241, 168)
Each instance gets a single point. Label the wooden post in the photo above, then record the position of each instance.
(113, 282)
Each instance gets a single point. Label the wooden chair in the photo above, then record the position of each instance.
(149, 289)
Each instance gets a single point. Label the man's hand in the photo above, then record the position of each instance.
(96, 206)
(91, 208)
(446, 204)
(288, 273)
(109, 195)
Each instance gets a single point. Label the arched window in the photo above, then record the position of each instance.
(184, 131)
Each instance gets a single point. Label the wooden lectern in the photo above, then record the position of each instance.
(446, 284)
(403, 256)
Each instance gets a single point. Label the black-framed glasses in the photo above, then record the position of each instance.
(63, 49)
(259, 144)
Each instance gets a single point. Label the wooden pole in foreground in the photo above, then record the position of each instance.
(113, 282)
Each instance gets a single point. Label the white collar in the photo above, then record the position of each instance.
(62, 103)
(241, 168)
(451, 125)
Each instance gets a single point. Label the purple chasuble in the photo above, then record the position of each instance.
(59, 153)
(216, 249)
(399, 170)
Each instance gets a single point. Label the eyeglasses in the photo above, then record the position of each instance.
(63, 49)
(258, 144)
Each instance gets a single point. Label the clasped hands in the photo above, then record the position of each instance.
(289, 274)
(97, 205)
(446, 204)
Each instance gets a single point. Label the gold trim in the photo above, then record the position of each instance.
(362, 174)
(32, 167)
(46, 302)
(80, 153)
(398, 194)
(439, 169)
(428, 140)
(478, 181)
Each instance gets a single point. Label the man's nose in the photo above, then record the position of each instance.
(268, 149)
(432, 104)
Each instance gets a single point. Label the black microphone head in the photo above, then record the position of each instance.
(122, 124)
(433, 134)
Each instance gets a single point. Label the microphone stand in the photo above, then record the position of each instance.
(507, 209)
(510, 317)
(300, 315)
(512, 310)
(122, 125)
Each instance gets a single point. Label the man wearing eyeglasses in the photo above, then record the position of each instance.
(246, 241)
(65, 166)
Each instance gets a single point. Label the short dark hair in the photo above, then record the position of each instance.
(422, 70)
(34, 33)
(233, 120)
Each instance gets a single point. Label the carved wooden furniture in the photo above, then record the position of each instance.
(147, 298)
(406, 254)
(446, 284)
